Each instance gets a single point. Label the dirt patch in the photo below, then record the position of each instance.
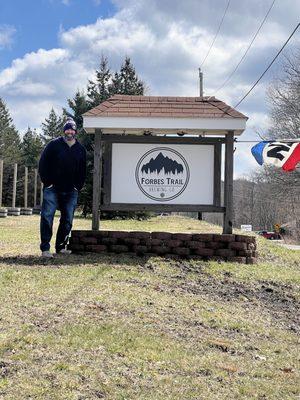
(277, 299)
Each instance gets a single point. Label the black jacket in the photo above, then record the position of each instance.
(63, 166)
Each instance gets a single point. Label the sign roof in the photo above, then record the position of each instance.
(164, 106)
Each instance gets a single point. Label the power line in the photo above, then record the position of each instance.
(218, 30)
(248, 48)
(269, 140)
(269, 66)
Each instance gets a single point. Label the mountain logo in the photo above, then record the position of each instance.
(162, 174)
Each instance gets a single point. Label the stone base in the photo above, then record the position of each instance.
(26, 211)
(15, 211)
(3, 212)
(233, 248)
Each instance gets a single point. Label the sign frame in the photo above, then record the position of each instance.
(107, 205)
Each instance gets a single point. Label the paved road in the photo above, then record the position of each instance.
(290, 246)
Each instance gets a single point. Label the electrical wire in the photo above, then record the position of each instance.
(269, 140)
(269, 66)
(248, 48)
(218, 30)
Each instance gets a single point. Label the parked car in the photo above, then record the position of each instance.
(270, 235)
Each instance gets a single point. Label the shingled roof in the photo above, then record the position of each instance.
(163, 106)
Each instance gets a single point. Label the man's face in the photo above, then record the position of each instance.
(70, 134)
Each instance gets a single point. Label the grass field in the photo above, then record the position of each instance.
(121, 327)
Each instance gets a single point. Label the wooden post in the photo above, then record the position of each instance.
(35, 187)
(97, 175)
(1, 181)
(41, 193)
(26, 188)
(14, 185)
(228, 183)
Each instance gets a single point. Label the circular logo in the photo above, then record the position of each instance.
(162, 174)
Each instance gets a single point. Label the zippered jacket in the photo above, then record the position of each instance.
(63, 166)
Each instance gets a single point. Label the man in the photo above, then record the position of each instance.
(62, 169)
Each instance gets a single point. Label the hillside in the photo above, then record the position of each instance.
(121, 327)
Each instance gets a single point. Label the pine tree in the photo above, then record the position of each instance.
(126, 81)
(98, 90)
(5, 118)
(104, 86)
(9, 137)
(79, 105)
(52, 127)
(31, 148)
(10, 151)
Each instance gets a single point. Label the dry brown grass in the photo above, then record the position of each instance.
(121, 327)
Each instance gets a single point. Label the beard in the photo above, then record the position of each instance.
(69, 137)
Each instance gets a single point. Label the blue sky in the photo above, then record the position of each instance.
(36, 23)
(50, 48)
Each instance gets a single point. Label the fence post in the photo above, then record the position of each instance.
(26, 188)
(1, 181)
(13, 210)
(25, 210)
(14, 185)
(41, 194)
(35, 187)
(3, 210)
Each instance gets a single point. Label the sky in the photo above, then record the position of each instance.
(50, 48)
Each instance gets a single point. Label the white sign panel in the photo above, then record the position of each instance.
(246, 228)
(162, 174)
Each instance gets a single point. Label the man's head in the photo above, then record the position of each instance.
(70, 129)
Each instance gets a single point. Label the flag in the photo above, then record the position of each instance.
(285, 155)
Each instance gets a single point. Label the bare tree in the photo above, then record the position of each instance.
(284, 101)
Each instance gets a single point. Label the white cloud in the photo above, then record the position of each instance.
(6, 35)
(167, 40)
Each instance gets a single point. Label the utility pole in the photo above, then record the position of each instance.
(201, 82)
(200, 217)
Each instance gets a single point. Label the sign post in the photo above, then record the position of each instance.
(228, 184)
(97, 176)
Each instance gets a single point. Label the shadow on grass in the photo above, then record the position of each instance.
(85, 259)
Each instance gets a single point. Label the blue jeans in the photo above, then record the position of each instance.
(64, 201)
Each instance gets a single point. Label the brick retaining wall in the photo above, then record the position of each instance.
(234, 248)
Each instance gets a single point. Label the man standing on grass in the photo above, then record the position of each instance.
(62, 169)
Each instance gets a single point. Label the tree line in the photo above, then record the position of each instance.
(270, 196)
(26, 150)
(262, 199)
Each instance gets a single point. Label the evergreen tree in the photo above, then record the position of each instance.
(98, 90)
(10, 151)
(9, 136)
(126, 81)
(116, 85)
(79, 105)
(5, 119)
(31, 148)
(52, 127)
